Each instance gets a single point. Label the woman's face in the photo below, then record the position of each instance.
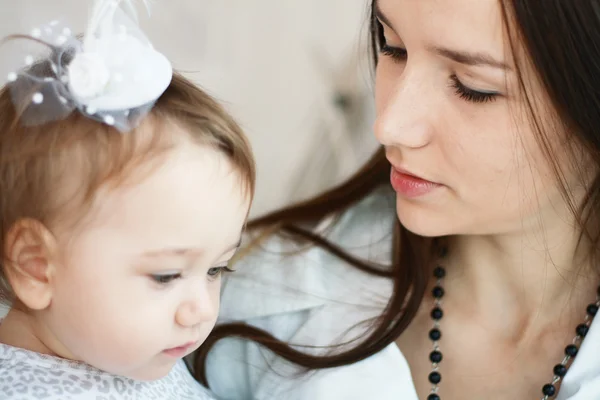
(450, 114)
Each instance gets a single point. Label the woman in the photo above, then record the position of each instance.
(488, 112)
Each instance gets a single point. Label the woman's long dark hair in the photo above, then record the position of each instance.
(561, 39)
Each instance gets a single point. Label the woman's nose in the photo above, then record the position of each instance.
(405, 110)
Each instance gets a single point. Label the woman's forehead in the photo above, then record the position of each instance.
(474, 25)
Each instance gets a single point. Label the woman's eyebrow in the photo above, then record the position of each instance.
(468, 58)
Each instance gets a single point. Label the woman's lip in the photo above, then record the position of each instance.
(409, 185)
(406, 172)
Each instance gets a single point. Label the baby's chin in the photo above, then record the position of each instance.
(150, 372)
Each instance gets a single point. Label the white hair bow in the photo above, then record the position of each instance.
(114, 75)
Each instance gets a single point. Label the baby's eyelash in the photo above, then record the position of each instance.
(165, 279)
(216, 271)
(213, 273)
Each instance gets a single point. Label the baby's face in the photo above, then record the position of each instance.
(138, 285)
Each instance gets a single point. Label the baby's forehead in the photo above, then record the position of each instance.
(193, 195)
(185, 174)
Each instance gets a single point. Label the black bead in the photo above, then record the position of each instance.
(582, 330)
(435, 378)
(592, 309)
(571, 350)
(435, 334)
(437, 313)
(549, 390)
(439, 272)
(438, 292)
(435, 356)
(560, 370)
(433, 396)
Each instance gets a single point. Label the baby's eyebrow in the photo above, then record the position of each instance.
(172, 252)
(181, 252)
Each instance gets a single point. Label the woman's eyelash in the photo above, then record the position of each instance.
(469, 94)
(395, 53)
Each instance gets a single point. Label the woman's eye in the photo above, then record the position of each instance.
(471, 95)
(397, 54)
(165, 279)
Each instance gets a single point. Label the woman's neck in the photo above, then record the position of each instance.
(520, 282)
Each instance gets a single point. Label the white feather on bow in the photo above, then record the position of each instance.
(101, 26)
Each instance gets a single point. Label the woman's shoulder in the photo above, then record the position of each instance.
(281, 275)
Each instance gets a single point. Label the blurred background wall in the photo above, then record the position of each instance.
(295, 74)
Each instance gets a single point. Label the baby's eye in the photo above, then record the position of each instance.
(165, 279)
(216, 271)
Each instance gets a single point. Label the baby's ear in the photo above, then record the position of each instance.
(29, 253)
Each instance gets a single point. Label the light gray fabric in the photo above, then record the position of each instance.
(26, 375)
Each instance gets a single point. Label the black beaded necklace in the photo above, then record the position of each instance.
(435, 334)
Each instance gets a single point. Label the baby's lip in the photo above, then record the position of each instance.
(185, 345)
(180, 350)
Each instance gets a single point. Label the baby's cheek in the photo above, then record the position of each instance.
(124, 333)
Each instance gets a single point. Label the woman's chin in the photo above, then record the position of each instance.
(424, 221)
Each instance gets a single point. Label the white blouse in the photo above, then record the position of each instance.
(312, 298)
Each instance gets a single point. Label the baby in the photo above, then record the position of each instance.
(124, 192)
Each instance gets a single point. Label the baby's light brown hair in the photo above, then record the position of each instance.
(36, 162)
